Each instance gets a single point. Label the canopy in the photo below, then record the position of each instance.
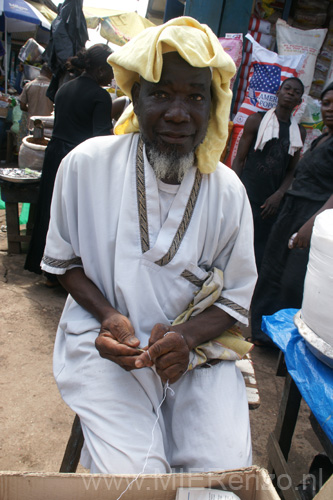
(116, 26)
(18, 16)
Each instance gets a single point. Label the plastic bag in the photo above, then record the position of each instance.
(268, 71)
(24, 215)
(293, 41)
(31, 52)
(234, 48)
(17, 115)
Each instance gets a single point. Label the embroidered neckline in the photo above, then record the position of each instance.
(142, 209)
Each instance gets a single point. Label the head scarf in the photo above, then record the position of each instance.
(196, 44)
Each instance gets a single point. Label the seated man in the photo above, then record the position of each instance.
(268, 152)
(139, 221)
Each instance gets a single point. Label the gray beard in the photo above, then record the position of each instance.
(170, 166)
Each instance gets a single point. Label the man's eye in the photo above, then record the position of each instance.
(197, 97)
(159, 94)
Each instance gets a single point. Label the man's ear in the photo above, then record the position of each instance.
(135, 91)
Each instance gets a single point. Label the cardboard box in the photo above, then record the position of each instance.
(250, 483)
(326, 491)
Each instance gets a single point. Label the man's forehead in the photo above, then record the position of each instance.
(292, 82)
(175, 68)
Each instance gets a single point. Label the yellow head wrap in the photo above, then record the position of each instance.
(196, 44)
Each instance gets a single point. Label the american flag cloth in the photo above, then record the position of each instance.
(265, 78)
(268, 70)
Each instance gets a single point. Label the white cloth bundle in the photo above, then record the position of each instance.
(269, 129)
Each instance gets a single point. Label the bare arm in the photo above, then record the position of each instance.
(23, 106)
(116, 340)
(250, 131)
(303, 236)
(118, 106)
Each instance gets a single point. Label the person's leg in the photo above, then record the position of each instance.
(262, 228)
(207, 420)
(281, 279)
(292, 279)
(267, 293)
(117, 410)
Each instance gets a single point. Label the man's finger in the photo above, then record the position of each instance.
(111, 346)
(171, 374)
(144, 360)
(126, 337)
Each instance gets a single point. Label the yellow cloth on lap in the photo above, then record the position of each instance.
(196, 44)
(230, 344)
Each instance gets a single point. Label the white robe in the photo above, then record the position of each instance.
(95, 223)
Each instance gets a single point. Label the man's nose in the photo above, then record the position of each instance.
(177, 111)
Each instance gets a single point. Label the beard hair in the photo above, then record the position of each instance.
(171, 165)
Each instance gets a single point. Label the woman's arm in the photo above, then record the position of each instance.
(303, 236)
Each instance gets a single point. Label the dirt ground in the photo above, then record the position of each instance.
(34, 421)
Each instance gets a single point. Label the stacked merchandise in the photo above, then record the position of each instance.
(292, 41)
(232, 43)
(309, 36)
(260, 31)
(310, 14)
(267, 71)
(31, 55)
(312, 32)
(323, 73)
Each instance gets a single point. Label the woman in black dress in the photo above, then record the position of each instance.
(82, 110)
(281, 278)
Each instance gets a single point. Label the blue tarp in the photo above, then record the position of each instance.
(313, 378)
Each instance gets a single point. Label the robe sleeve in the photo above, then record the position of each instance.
(61, 251)
(236, 257)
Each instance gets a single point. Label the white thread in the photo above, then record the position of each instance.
(172, 331)
(166, 387)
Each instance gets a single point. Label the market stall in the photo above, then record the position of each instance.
(15, 17)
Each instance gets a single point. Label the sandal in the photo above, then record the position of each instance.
(261, 343)
(51, 284)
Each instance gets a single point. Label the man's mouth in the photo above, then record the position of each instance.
(289, 98)
(174, 137)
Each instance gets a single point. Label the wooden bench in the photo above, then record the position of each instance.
(75, 442)
(12, 194)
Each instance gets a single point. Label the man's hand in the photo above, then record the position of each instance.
(303, 236)
(169, 352)
(117, 342)
(271, 205)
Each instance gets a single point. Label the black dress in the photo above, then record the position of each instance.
(281, 278)
(82, 110)
(263, 174)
